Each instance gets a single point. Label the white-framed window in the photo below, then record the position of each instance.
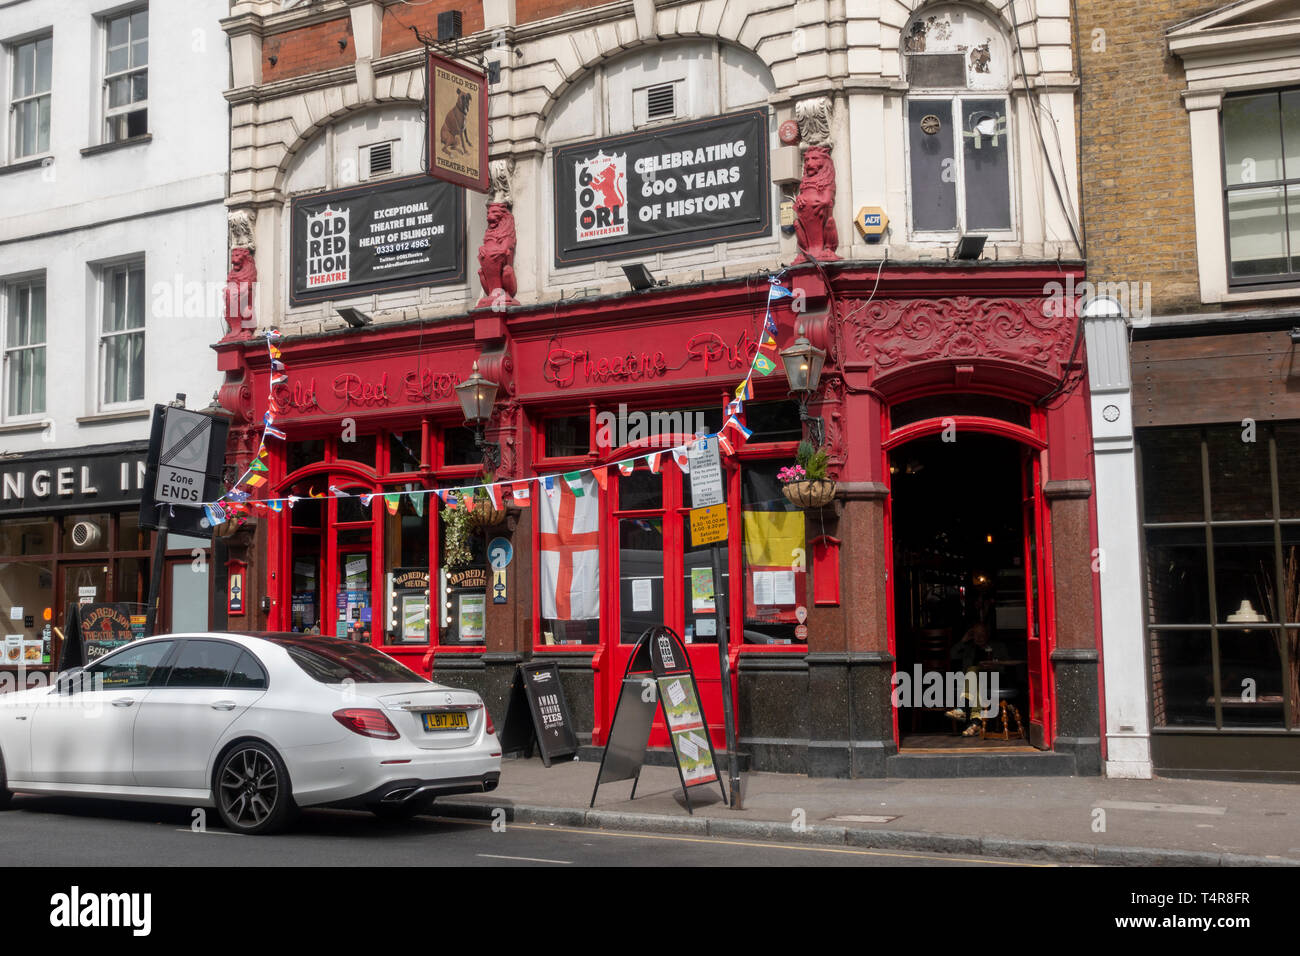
(23, 311)
(30, 97)
(126, 75)
(958, 119)
(121, 334)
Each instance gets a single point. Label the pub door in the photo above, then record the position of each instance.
(1036, 623)
(658, 578)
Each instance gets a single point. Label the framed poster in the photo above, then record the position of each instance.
(457, 123)
(397, 234)
(673, 187)
(414, 619)
(471, 618)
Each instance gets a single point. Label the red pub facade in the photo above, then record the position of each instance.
(952, 403)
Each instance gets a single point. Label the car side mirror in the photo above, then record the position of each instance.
(68, 681)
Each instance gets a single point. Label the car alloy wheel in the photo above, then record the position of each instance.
(252, 790)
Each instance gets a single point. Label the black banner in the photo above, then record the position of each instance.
(684, 185)
(376, 238)
(73, 479)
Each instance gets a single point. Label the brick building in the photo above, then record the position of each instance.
(766, 131)
(1191, 347)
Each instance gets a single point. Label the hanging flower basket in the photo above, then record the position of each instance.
(810, 494)
(484, 515)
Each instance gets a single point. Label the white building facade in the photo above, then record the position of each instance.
(112, 270)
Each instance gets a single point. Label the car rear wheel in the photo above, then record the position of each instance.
(253, 795)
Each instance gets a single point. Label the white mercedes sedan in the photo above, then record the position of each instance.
(255, 725)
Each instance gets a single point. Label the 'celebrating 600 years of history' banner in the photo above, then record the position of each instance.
(376, 238)
(688, 184)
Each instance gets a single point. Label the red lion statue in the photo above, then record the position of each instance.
(814, 208)
(240, 283)
(496, 259)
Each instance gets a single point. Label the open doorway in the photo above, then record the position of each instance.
(964, 534)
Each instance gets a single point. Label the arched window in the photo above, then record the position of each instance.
(957, 62)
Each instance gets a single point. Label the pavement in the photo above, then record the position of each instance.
(1082, 820)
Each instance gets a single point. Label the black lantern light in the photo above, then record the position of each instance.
(477, 395)
(803, 371)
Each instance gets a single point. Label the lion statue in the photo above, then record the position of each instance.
(496, 259)
(241, 282)
(814, 207)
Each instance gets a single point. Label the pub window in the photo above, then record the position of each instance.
(24, 348)
(458, 447)
(406, 543)
(404, 451)
(773, 421)
(463, 579)
(1261, 169)
(29, 103)
(126, 76)
(303, 453)
(958, 116)
(569, 561)
(121, 337)
(956, 403)
(1223, 575)
(568, 437)
(361, 449)
(774, 539)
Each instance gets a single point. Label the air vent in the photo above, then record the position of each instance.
(86, 534)
(661, 102)
(936, 70)
(379, 160)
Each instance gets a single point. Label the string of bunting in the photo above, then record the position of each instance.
(238, 502)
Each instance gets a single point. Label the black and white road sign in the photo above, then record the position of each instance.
(183, 459)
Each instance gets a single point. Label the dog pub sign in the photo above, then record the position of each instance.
(458, 123)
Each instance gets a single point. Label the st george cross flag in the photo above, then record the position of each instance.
(570, 553)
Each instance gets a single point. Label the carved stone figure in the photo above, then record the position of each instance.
(814, 207)
(241, 283)
(496, 259)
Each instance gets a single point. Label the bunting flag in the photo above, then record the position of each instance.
(257, 465)
(602, 477)
(262, 450)
(769, 325)
(768, 341)
(255, 481)
(682, 458)
(522, 494)
(776, 290)
(745, 391)
(279, 379)
(417, 502)
(270, 432)
(574, 480)
(763, 365)
(652, 461)
(272, 335)
(494, 496)
(365, 500)
(293, 500)
(277, 505)
(549, 482)
(724, 444)
(338, 492)
(625, 467)
(215, 514)
(392, 501)
(449, 498)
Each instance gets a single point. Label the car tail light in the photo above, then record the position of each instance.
(367, 723)
(488, 717)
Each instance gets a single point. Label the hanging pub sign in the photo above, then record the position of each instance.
(376, 238)
(457, 123)
(677, 186)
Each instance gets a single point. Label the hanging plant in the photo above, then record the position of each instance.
(456, 552)
(805, 483)
(485, 514)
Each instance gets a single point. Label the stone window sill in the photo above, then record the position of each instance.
(120, 144)
(114, 416)
(35, 162)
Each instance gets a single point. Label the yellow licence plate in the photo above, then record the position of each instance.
(457, 720)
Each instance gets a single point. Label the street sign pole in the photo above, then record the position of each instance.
(709, 525)
(155, 576)
(724, 664)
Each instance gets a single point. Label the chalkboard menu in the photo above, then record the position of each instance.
(536, 693)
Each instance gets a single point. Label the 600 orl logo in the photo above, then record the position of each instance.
(602, 196)
(327, 248)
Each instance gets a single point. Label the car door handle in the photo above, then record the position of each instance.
(124, 702)
(224, 705)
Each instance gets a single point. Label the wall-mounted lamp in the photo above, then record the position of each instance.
(477, 395)
(1294, 333)
(639, 277)
(353, 317)
(273, 59)
(970, 247)
(803, 362)
(343, 45)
